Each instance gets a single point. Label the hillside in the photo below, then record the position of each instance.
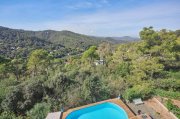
(66, 38)
(125, 38)
(39, 83)
(16, 42)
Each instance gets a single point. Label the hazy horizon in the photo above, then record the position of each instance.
(96, 18)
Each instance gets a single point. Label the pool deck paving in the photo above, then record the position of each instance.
(117, 101)
(151, 108)
(156, 105)
(154, 108)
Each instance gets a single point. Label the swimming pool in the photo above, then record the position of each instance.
(105, 110)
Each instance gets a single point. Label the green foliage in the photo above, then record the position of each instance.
(93, 89)
(46, 82)
(90, 53)
(173, 108)
(23, 97)
(9, 115)
(37, 57)
(177, 33)
(168, 94)
(123, 69)
(5, 87)
(150, 37)
(3, 60)
(116, 85)
(4, 67)
(10, 103)
(36, 60)
(138, 91)
(39, 111)
(174, 74)
(146, 67)
(74, 97)
(17, 67)
(19, 43)
(169, 105)
(104, 50)
(58, 85)
(162, 44)
(168, 84)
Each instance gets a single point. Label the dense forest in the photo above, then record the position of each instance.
(40, 82)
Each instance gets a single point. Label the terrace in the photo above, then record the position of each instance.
(116, 101)
(130, 113)
(151, 109)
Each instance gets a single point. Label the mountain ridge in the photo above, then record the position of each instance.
(21, 42)
(123, 38)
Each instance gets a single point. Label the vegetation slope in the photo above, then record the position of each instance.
(40, 83)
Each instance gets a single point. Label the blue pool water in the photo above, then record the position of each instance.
(105, 110)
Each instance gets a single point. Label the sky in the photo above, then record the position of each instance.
(92, 17)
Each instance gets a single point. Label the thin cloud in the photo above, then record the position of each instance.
(88, 4)
(113, 22)
(81, 5)
(110, 21)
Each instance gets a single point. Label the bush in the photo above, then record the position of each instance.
(5, 87)
(168, 94)
(123, 69)
(39, 111)
(23, 97)
(57, 86)
(138, 91)
(94, 90)
(10, 103)
(169, 105)
(173, 108)
(9, 115)
(168, 84)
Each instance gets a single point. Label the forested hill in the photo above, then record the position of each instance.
(16, 42)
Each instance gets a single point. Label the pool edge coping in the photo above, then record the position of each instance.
(116, 101)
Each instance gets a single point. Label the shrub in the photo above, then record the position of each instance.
(23, 97)
(138, 91)
(168, 94)
(168, 84)
(5, 87)
(173, 108)
(9, 115)
(123, 69)
(57, 86)
(94, 90)
(39, 111)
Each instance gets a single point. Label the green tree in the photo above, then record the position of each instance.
(123, 69)
(10, 103)
(150, 37)
(23, 97)
(93, 89)
(90, 54)
(104, 50)
(16, 67)
(146, 67)
(4, 67)
(36, 60)
(177, 32)
(57, 86)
